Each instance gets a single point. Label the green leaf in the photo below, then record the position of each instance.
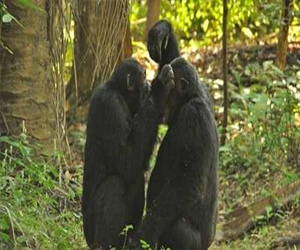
(268, 210)
(4, 223)
(7, 18)
(237, 76)
(247, 32)
(31, 5)
(264, 230)
(71, 193)
(144, 244)
(247, 71)
(205, 25)
(225, 148)
(4, 237)
(237, 96)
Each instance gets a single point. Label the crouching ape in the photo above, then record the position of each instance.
(121, 130)
(182, 193)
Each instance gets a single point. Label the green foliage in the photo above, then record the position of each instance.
(264, 125)
(39, 208)
(31, 5)
(144, 244)
(138, 15)
(6, 17)
(4, 14)
(125, 232)
(202, 20)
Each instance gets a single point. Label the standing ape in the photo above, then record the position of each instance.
(183, 188)
(121, 130)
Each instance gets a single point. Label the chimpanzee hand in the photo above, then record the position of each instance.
(163, 84)
(158, 39)
(166, 77)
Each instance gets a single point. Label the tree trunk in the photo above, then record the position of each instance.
(283, 33)
(26, 91)
(100, 31)
(152, 15)
(225, 73)
(127, 49)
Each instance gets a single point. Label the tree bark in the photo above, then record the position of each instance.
(100, 30)
(127, 48)
(283, 34)
(152, 15)
(225, 73)
(26, 91)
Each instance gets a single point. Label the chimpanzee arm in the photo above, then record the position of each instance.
(126, 143)
(188, 185)
(145, 124)
(162, 44)
(122, 143)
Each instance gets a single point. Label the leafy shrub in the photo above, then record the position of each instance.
(265, 120)
(39, 207)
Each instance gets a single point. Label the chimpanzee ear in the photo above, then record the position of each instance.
(129, 83)
(184, 83)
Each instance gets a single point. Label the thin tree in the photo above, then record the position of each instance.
(283, 33)
(152, 15)
(225, 73)
(127, 45)
(26, 89)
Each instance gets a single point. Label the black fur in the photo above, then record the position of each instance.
(183, 188)
(162, 44)
(121, 130)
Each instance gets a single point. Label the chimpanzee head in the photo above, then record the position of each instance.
(186, 85)
(158, 39)
(130, 79)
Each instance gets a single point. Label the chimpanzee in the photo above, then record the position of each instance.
(162, 44)
(183, 188)
(121, 130)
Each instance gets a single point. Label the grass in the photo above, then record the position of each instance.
(40, 205)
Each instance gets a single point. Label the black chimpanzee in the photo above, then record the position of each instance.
(121, 130)
(183, 188)
(162, 44)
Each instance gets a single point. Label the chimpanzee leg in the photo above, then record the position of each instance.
(181, 236)
(135, 199)
(111, 211)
